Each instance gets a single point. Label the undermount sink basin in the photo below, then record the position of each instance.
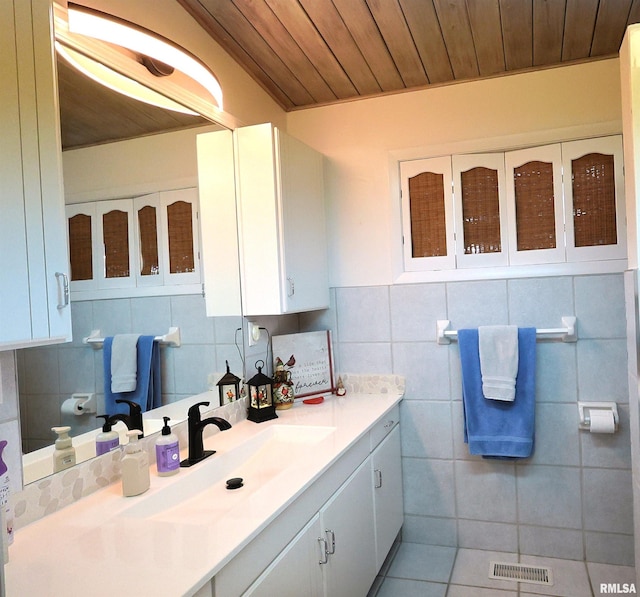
(200, 495)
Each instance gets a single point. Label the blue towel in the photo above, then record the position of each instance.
(148, 387)
(494, 428)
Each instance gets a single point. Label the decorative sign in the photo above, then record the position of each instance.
(308, 358)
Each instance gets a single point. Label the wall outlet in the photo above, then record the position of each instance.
(253, 333)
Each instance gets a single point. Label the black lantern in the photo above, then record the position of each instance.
(228, 387)
(261, 406)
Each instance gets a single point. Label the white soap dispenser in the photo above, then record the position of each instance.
(64, 455)
(135, 467)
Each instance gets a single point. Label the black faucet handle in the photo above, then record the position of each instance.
(194, 411)
(134, 407)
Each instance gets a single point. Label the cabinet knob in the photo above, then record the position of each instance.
(389, 423)
(291, 287)
(378, 475)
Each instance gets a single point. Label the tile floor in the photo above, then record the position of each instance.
(415, 570)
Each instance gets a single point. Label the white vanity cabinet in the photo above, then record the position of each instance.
(274, 184)
(34, 306)
(348, 521)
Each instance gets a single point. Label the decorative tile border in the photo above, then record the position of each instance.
(373, 384)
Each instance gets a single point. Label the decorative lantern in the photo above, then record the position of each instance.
(261, 406)
(228, 387)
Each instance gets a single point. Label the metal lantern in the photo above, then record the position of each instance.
(261, 406)
(228, 387)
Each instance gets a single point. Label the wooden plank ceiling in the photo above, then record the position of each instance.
(309, 52)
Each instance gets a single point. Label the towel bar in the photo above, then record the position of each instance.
(568, 333)
(171, 338)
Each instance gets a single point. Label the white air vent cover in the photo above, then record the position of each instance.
(540, 575)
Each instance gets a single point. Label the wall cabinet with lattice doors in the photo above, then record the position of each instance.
(134, 247)
(559, 203)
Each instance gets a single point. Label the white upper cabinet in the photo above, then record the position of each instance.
(547, 206)
(274, 184)
(148, 245)
(34, 301)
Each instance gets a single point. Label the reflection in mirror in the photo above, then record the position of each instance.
(116, 148)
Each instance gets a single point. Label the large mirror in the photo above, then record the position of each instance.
(114, 148)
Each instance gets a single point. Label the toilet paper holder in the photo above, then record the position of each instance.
(586, 408)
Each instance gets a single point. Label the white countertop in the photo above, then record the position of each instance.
(102, 545)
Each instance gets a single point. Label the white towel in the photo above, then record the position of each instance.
(124, 362)
(498, 347)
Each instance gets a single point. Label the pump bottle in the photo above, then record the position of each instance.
(107, 439)
(167, 451)
(135, 466)
(64, 455)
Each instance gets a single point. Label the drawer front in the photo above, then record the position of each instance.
(382, 428)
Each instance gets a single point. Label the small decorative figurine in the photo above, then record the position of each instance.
(340, 389)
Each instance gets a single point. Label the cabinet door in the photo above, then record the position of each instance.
(481, 210)
(295, 571)
(387, 494)
(82, 230)
(594, 199)
(347, 523)
(149, 257)
(180, 241)
(281, 223)
(15, 322)
(534, 191)
(33, 242)
(115, 243)
(304, 282)
(219, 223)
(427, 214)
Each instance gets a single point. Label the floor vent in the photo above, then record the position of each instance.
(540, 575)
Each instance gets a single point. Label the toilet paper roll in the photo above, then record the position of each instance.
(72, 406)
(602, 422)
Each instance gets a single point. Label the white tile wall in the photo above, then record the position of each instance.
(572, 499)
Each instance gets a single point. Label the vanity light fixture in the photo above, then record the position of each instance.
(160, 56)
(116, 82)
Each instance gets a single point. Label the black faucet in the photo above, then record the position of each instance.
(133, 420)
(196, 427)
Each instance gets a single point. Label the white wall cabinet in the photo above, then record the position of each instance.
(275, 184)
(342, 541)
(34, 303)
(135, 247)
